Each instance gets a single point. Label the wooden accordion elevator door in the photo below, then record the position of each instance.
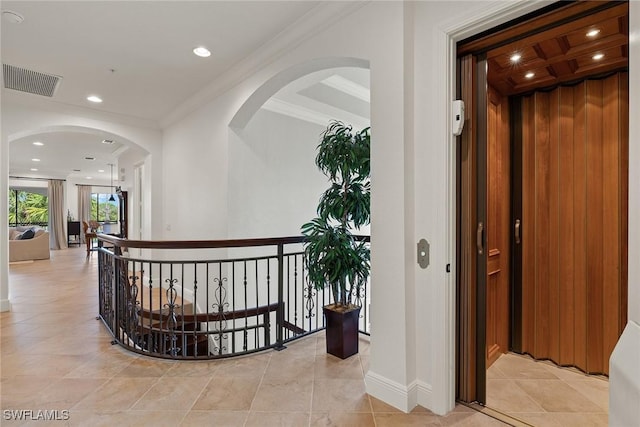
(571, 152)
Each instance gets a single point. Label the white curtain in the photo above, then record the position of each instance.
(57, 232)
(84, 206)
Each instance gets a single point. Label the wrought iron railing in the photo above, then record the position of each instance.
(209, 299)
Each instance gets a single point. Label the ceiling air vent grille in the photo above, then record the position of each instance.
(24, 80)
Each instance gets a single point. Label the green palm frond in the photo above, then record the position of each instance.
(332, 255)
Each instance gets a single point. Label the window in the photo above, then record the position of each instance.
(103, 210)
(27, 208)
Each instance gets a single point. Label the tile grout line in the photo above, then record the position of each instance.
(557, 379)
(264, 372)
(313, 379)
(194, 400)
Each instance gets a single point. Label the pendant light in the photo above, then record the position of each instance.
(111, 198)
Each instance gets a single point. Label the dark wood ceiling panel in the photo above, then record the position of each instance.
(562, 53)
(553, 48)
(523, 29)
(607, 28)
(614, 57)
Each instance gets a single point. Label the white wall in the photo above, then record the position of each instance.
(274, 185)
(196, 161)
(195, 179)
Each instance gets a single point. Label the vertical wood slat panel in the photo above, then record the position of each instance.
(580, 226)
(575, 168)
(594, 226)
(494, 178)
(467, 283)
(566, 227)
(505, 259)
(492, 229)
(553, 226)
(611, 187)
(528, 226)
(623, 99)
(492, 350)
(542, 255)
(497, 226)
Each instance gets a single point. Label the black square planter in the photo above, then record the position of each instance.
(342, 331)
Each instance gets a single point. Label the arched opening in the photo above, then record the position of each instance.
(73, 154)
(274, 184)
(78, 155)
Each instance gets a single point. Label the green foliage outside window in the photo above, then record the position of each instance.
(28, 208)
(33, 208)
(102, 210)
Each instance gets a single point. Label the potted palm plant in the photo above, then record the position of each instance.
(334, 256)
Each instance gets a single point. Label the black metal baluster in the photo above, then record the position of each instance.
(207, 305)
(233, 306)
(280, 309)
(246, 307)
(196, 326)
(219, 308)
(183, 335)
(255, 331)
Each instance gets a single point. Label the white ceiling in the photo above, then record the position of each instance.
(63, 156)
(337, 93)
(147, 44)
(137, 56)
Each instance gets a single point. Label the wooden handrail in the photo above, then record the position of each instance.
(205, 244)
(213, 317)
(169, 328)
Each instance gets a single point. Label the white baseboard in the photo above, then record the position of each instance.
(424, 395)
(404, 398)
(5, 305)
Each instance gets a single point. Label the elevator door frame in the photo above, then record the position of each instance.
(471, 286)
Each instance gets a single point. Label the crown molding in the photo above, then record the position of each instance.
(307, 26)
(296, 111)
(347, 86)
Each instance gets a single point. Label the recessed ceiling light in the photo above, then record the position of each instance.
(594, 32)
(76, 170)
(90, 158)
(202, 51)
(515, 57)
(38, 143)
(35, 160)
(107, 141)
(529, 75)
(94, 98)
(12, 17)
(598, 56)
(34, 170)
(89, 177)
(100, 170)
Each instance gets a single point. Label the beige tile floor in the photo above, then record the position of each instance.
(542, 394)
(55, 355)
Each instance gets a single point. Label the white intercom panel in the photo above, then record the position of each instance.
(458, 117)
